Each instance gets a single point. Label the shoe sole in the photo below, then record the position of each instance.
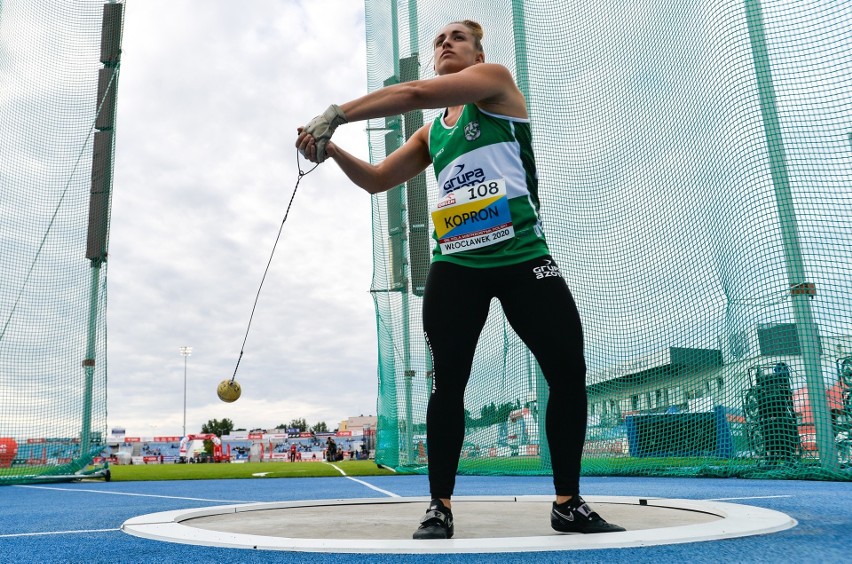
(447, 535)
(557, 526)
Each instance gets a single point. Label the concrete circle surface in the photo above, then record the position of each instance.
(482, 524)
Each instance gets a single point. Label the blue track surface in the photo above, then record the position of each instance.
(79, 522)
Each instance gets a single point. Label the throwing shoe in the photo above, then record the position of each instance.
(574, 516)
(437, 523)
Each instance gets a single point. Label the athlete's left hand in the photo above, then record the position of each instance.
(308, 149)
(306, 144)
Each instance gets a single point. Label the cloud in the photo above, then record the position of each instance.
(209, 100)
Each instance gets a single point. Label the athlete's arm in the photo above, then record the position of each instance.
(490, 85)
(401, 165)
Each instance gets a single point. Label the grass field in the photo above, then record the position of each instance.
(492, 466)
(245, 470)
(514, 466)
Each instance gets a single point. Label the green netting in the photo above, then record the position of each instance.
(695, 165)
(58, 77)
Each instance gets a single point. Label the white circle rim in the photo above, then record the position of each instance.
(736, 520)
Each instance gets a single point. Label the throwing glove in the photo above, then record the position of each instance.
(322, 127)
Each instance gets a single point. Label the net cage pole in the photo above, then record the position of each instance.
(419, 226)
(522, 78)
(408, 223)
(406, 329)
(99, 198)
(416, 226)
(801, 291)
(397, 229)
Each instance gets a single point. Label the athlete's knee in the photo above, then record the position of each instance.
(566, 383)
(566, 369)
(446, 399)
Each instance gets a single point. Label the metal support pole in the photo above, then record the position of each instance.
(408, 437)
(89, 361)
(801, 291)
(395, 36)
(184, 396)
(412, 27)
(519, 35)
(186, 352)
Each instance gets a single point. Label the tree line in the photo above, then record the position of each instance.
(226, 426)
(490, 414)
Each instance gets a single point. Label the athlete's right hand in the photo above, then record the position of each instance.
(322, 127)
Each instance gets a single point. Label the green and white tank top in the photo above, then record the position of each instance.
(487, 209)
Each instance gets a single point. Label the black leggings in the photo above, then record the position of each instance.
(542, 312)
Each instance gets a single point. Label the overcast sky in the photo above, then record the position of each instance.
(209, 98)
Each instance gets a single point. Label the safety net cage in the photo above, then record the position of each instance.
(695, 173)
(58, 78)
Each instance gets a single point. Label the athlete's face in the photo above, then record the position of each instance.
(455, 49)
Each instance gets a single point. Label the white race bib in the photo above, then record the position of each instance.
(473, 216)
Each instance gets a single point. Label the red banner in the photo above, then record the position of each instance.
(344, 433)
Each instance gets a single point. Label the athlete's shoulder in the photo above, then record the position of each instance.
(495, 70)
(509, 101)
